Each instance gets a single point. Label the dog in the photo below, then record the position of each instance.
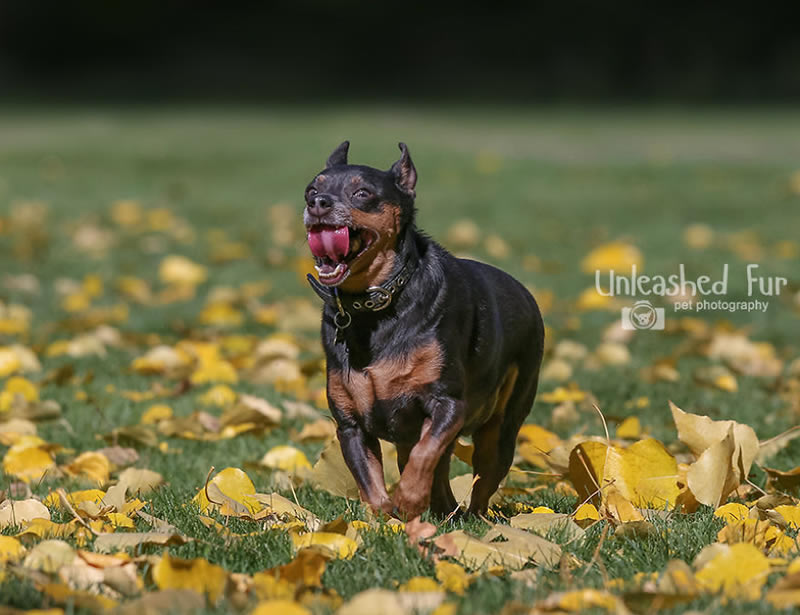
(421, 346)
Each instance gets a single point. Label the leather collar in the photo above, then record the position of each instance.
(375, 299)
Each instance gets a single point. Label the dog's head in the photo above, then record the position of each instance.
(354, 215)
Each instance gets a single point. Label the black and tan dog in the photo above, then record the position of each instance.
(421, 346)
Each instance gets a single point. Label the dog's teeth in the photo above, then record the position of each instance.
(356, 245)
(331, 274)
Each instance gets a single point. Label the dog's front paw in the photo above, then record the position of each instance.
(409, 503)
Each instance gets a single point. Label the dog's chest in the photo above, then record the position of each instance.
(362, 392)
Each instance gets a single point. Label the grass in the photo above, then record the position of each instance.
(553, 183)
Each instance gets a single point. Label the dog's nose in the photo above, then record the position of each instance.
(321, 205)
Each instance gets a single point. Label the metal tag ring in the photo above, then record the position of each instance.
(386, 297)
(348, 320)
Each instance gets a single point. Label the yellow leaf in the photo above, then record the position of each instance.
(419, 584)
(586, 514)
(75, 498)
(285, 458)
(280, 607)
(196, 574)
(518, 548)
(45, 528)
(644, 473)
(106, 543)
(13, 430)
(126, 212)
(463, 233)
(337, 545)
(738, 571)
(156, 413)
(732, 512)
(535, 443)
(221, 315)
(452, 577)
(384, 602)
(581, 600)
(629, 429)
(783, 599)
(28, 459)
(271, 587)
(219, 395)
(181, 271)
(217, 371)
(305, 570)
(320, 430)
(790, 514)
(17, 386)
(617, 255)
(729, 467)
(76, 599)
(561, 394)
(76, 302)
(331, 474)
(278, 505)
(93, 465)
(233, 483)
(9, 362)
(11, 549)
(140, 480)
(50, 555)
(161, 359)
(119, 520)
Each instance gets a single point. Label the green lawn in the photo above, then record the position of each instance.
(552, 183)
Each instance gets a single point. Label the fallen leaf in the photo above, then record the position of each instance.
(617, 255)
(644, 473)
(20, 512)
(108, 543)
(49, 555)
(548, 521)
(11, 549)
(581, 600)
(195, 574)
(280, 607)
(335, 545)
(287, 458)
(475, 553)
(234, 484)
(92, 465)
(725, 452)
(738, 571)
(140, 480)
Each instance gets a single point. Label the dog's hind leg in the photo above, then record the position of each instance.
(495, 441)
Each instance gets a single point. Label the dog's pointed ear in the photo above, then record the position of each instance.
(339, 155)
(405, 175)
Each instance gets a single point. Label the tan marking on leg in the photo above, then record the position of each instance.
(351, 392)
(487, 440)
(413, 493)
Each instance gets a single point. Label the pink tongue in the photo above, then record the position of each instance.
(330, 241)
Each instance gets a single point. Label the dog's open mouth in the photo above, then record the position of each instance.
(335, 248)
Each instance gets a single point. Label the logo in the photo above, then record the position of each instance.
(642, 316)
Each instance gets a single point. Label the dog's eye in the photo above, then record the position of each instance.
(311, 193)
(361, 194)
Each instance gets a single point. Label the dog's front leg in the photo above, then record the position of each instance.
(362, 454)
(413, 493)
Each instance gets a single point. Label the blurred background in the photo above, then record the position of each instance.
(323, 53)
(551, 140)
